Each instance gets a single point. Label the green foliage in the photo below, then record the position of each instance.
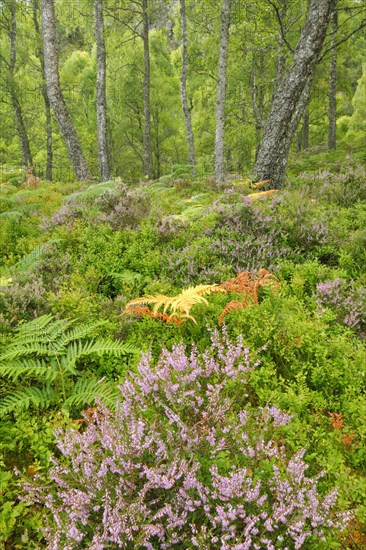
(48, 353)
(357, 123)
(84, 268)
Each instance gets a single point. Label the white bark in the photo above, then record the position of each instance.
(273, 153)
(183, 87)
(147, 154)
(221, 91)
(51, 67)
(101, 98)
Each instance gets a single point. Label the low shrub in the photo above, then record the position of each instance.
(186, 461)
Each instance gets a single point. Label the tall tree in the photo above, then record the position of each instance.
(221, 91)
(273, 153)
(183, 86)
(46, 101)
(62, 115)
(25, 149)
(332, 111)
(101, 98)
(147, 154)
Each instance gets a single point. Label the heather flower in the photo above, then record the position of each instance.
(184, 461)
(347, 299)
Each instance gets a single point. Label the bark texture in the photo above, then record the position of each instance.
(101, 98)
(221, 91)
(332, 113)
(25, 149)
(273, 153)
(46, 101)
(147, 154)
(183, 87)
(300, 111)
(62, 115)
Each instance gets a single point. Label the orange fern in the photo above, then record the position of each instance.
(142, 311)
(247, 284)
(262, 194)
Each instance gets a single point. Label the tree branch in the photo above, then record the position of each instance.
(279, 19)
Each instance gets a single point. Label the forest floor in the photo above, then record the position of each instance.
(83, 252)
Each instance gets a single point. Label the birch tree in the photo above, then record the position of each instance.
(62, 115)
(273, 153)
(10, 25)
(101, 98)
(221, 91)
(46, 101)
(183, 87)
(147, 154)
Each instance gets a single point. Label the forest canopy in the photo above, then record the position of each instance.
(177, 84)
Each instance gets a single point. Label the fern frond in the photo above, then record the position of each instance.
(231, 306)
(101, 346)
(262, 194)
(29, 260)
(26, 367)
(142, 311)
(159, 300)
(11, 215)
(93, 191)
(86, 391)
(190, 297)
(179, 305)
(44, 350)
(247, 284)
(36, 348)
(80, 332)
(36, 324)
(24, 398)
(51, 334)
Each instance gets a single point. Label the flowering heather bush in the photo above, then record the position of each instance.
(184, 462)
(343, 188)
(121, 207)
(24, 298)
(245, 236)
(66, 215)
(118, 206)
(348, 300)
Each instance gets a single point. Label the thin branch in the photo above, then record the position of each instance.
(327, 50)
(279, 19)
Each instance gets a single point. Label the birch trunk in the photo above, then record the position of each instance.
(273, 153)
(46, 101)
(332, 113)
(183, 88)
(147, 154)
(25, 149)
(101, 98)
(221, 91)
(62, 115)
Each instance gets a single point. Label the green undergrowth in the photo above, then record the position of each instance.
(80, 253)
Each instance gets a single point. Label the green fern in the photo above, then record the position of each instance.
(92, 192)
(86, 391)
(43, 360)
(29, 260)
(11, 215)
